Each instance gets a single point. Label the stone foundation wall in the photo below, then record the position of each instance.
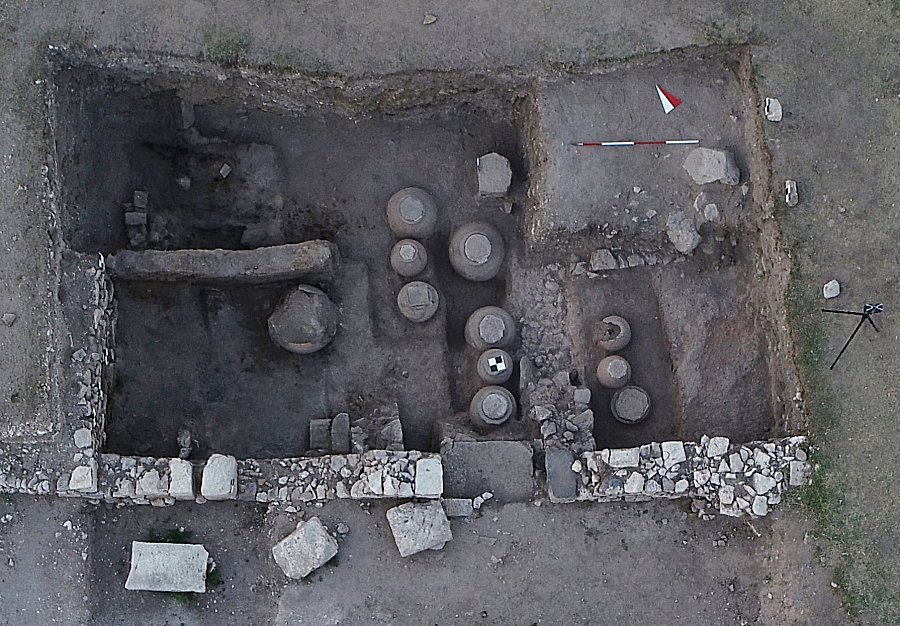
(90, 315)
(735, 480)
(373, 474)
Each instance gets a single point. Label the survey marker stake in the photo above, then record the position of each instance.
(866, 316)
(668, 101)
(610, 144)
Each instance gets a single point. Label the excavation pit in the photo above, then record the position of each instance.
(169, 161)
(160, 159)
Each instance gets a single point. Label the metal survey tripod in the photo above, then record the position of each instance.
(866, 316)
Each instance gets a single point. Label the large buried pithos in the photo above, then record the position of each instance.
(305, 320)
(477, 251)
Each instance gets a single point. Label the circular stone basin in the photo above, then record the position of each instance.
(615, 333)
(494, 366)
(630, 405)
(491, 406)
(408, 257)
(304, 321)
(490, 327)
(412, 212)
(613, 372)
(477, 251)
(418, 301)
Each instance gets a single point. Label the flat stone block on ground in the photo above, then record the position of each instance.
(305, 550)
(419, 526)
(167, 567)
(503, 468)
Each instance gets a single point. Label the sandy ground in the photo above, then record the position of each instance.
(832, 64)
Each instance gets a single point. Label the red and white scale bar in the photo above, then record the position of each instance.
(664, 142)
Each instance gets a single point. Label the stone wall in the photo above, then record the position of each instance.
(733, 479)
(90, 314)
(559, 410)
(373, 474)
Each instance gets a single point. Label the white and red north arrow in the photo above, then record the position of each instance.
(668, 101)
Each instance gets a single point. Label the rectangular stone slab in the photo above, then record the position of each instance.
(308, 260)
(167, 567)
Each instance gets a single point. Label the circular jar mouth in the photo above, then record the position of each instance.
(495, 407)
(411, 210)
(477, 248)
(408, 252)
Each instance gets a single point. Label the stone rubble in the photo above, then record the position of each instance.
(305, 550)
(772, 110)
(706, 165)
(831, 289)
(682, 233)
(380, 430)
(735, 480)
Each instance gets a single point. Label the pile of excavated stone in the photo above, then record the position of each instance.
(735, 479)
(381, 430)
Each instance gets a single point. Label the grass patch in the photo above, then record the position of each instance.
(181, 597)
(857, 573)
(226, 50)
(214, 577)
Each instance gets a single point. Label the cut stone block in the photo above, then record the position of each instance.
(562, 481)
(167, 567)
(219, 480)
(340, 434)
(624, 457)
(419, 526)
(458, 507)
(83, 438)
(429, 478)
(181, 479)
(494, 175)
(305, 550)
(717, 446)
(319, 434)
(673, 453)
(152, 485)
